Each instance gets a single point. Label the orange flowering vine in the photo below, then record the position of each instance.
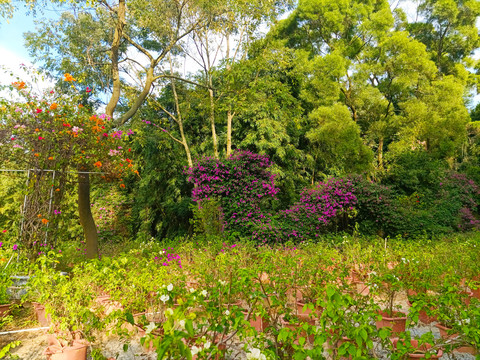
(19, 85)
(97, 164)
(44, 221)
(69, 77)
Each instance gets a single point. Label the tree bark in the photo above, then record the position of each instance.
(380, 153)
(179, 119)
(117, 38)
(86, 218)
(230, 116)
(212, 122)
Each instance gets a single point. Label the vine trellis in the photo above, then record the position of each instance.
(44, 192)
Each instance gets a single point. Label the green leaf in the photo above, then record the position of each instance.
(189, 327)
(363, 334)
(301, 341)
(130, 318)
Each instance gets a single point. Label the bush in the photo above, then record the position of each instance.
(327, 207)
(243, 185)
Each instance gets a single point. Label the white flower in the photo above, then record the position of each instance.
(207, 345)
(164, 298)
(150, 327)
(223, 282)
(227, 312)
(182, 323)
(192, 290)
(169, 312)
(195, 350)
(255, 354)
(204, 293)
(170, 287)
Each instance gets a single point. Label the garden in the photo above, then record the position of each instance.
(350, 297)
(186, 186)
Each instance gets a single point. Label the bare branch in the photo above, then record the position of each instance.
(139, 47)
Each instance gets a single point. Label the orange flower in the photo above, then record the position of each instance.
(80, 106)
(97, 164)
(45, 221)
(53, 106)
(93, 118)
(37, 154)
(122, 186)
(50, 158)
(39, 215)
(37, 129)
(69, 78)
(57, 189)
(19, 85)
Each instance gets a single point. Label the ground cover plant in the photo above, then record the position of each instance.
(219, 299)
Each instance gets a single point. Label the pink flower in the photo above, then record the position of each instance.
(15, 247)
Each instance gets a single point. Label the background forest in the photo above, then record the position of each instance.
(343, 116)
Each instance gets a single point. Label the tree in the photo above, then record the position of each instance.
(359, 56)
(55, 131)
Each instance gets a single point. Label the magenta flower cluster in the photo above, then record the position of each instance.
(323, 208)
(242, 183)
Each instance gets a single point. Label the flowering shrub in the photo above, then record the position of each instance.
(242, 183)
(461, 196)
(56, 132)
(328, 206)
(376, 208)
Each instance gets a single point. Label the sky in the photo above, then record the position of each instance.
(13, 52)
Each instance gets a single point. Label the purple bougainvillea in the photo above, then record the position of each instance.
(242, 183)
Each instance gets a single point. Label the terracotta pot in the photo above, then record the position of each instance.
(307, 311)
(466, 350)
(5, 310)
(294, 327)
(397, 323)
(444, 332)
(476, 293)
(467, 298)
(362, 288)
(42, 318)
(259, 323)
(422, 349)
(343, 340)
(76, 351)
(108, 304)
(423, 316)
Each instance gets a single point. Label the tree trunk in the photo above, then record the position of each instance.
(117, 38)
(212, 122)
(230, 116)
(86, 218)
(380, 153)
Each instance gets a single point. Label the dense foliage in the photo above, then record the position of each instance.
(344, 116)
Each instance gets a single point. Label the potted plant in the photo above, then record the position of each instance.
(389, 284)
(69, 303)
(346, 322)
(5, 303)
(422, 348)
